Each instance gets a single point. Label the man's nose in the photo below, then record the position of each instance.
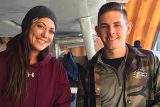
(111, 30)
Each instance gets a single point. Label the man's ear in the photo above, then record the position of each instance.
(129, 27)
(97, 31)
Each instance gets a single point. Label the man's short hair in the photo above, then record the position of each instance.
(112, 6)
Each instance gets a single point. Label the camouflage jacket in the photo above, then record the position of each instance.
(142, 92)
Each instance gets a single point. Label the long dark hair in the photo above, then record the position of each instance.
(18, 61)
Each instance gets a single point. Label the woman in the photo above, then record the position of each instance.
(29, 75)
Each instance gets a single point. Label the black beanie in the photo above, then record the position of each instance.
(37, 13)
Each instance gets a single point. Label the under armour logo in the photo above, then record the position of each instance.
(30, 74)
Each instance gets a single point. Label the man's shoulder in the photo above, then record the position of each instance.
(139, 52)
(145, 54)
(95, 57)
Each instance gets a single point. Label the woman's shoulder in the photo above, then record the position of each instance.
(2, 54)
(55, 62)
(3, 59)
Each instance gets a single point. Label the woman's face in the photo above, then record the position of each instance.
(41, 34)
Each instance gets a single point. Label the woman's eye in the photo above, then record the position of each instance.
(40, 26)
(52, 32)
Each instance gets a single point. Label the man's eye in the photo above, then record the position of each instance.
(103, 26)
(116, 25)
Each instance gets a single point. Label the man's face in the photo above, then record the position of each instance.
(112, 29)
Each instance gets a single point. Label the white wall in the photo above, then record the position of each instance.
(156, 53)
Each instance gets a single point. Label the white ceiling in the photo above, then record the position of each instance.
(68, 13)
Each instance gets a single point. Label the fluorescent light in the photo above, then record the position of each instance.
(118, 1)
(12, 23)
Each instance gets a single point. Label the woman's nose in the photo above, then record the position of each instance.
(45, 34)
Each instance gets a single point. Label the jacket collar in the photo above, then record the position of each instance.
(131, 51)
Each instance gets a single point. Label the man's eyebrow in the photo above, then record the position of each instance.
(101, 24)
(118, 22)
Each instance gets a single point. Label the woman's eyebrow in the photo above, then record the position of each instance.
(45, 25)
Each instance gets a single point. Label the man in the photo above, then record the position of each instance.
(137, 44)
(119, 75)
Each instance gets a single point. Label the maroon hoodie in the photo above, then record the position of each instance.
(48, 85)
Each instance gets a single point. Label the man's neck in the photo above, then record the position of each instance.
(114, 53)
